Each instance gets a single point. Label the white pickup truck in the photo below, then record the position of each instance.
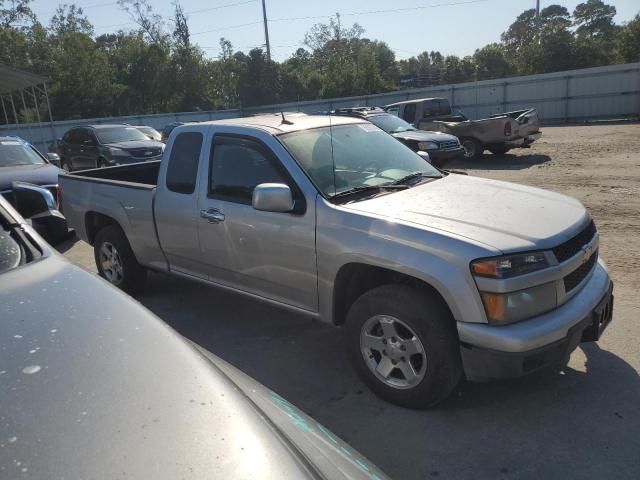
(434, 275)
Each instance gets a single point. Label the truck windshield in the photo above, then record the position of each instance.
(14, 153)
(390, 123)
(119, 134)
(348, 157)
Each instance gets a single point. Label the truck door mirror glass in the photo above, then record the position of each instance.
(272, 197)
(425, 156)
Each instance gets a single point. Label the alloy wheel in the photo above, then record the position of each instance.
(393, 351)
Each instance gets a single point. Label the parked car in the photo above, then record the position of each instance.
(499, 133)
(29, 182)
(101, 388)
(440, 146)
(432, 274)
(166, 131)
(97, 146)
(150, 132)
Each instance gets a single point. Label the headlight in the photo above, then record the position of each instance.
(509, 307)
(510, 265)
(118, 152)
(427, 146)
(504, 308)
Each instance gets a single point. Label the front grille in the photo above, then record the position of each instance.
(144, 152)
(572, 246)
(449, 145)
(572, 280)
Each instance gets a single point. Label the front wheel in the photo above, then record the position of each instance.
(403, 343)
(116, 261)
(472, 148)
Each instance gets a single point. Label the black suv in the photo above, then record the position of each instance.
(440, 146)
(97, 146)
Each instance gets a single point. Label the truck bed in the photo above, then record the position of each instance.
(145, 173)
(125, 194)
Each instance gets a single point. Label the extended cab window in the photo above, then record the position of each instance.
(409, 114)
(237, 166)
(183, 162)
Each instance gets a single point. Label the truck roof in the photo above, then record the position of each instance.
(294, 122)
(416, 100)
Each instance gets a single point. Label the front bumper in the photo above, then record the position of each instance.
(442, 155)
(115, 161)
(490, 352)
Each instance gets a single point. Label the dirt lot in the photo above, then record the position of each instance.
(583, 422)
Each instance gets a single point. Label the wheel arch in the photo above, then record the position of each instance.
(354, 279)
(96, 221)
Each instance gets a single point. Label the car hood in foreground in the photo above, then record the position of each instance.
(92, 385)
(505, 216)
(41, 174)
(423, 136)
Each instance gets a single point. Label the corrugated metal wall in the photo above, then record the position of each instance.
(599, 93)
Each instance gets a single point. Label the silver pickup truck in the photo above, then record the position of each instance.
(498, 133)
(433, 275)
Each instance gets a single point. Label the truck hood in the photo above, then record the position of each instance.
(504, 216)
(424, 136)
(42, 174)
(95, 389)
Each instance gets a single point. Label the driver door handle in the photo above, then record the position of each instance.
(212, 215)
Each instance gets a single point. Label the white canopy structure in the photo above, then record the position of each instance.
(20, 89)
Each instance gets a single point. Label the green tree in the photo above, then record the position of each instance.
(594, 18)
(491, 62)
(628, 40)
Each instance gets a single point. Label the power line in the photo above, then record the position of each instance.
(209, 9)
(374, 12)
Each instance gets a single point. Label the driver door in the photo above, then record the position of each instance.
(269, 254)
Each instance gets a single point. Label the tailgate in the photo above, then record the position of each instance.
(528, 123)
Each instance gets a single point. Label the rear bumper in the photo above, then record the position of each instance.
(525, 141)
(490, 352)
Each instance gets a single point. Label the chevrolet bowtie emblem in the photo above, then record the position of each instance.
(588, 251)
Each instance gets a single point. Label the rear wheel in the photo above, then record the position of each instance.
(116, 261)
(472, 148)
(499, 150)
(403, 343)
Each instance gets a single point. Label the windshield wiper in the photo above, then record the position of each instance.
(411, 176)
(367, 188)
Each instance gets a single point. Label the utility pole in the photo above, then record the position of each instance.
(537, 8)
(266, 30)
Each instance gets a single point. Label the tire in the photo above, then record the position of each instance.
(472, 148)
(500, 150)
(101, 163)
(121, 269)
(414, 314)
(64, 164)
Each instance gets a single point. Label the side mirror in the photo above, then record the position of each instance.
(36, 204)
(425, 156)
(53, 158)
(272, 197)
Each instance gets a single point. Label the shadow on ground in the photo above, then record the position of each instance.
(569, 424)
(500, 162)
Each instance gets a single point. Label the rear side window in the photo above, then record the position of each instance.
(431, 108)
(183, 162)
(409, 114)
(238, 165)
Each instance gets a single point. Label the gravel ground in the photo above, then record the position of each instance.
(582, 422)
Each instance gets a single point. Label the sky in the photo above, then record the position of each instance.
(409, 27)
